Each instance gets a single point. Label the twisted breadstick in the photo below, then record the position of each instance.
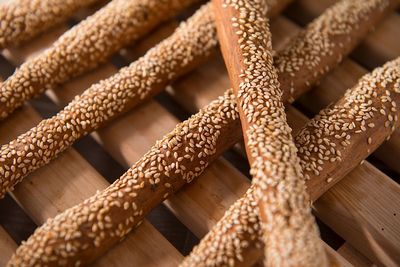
(85, 231)
(21, 20)
(191, 43)
(290, 233)
(329, 146)
(86, 45)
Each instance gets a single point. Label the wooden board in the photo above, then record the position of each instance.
(70, 178)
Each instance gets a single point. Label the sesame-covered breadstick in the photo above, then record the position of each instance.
(360, 122)
(85, 46)
(85, 231)
(289, 230)
(21, 20)
(187, 47)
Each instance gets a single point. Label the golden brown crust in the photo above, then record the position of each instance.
(325, 41)
(85, 46)
(289, 230)
(22, 20)
(373, 101)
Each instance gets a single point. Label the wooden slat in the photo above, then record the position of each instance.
(7, 247)
(339, 259)
(354, 257)
(381, 45)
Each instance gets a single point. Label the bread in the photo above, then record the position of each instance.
(289, 231)
(325, 41)
(330, 146)
(85, 46)
(22, 20)
(191, 44)
(221, 113)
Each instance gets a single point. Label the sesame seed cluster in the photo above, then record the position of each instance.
(107, 99)
(341, 27)
(21, 20)
(235, 238)
(289, 231)
(80, 234)
(85, 46)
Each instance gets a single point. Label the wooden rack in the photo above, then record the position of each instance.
(363, 209)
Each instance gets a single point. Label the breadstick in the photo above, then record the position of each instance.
(85, 46)
(22, 20)
(290, 233)
(90, 228)
(191, 44)
(340, 29)
(330, 145)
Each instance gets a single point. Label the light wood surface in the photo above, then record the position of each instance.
(354, 257)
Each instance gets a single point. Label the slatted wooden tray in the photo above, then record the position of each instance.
(359, 217)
